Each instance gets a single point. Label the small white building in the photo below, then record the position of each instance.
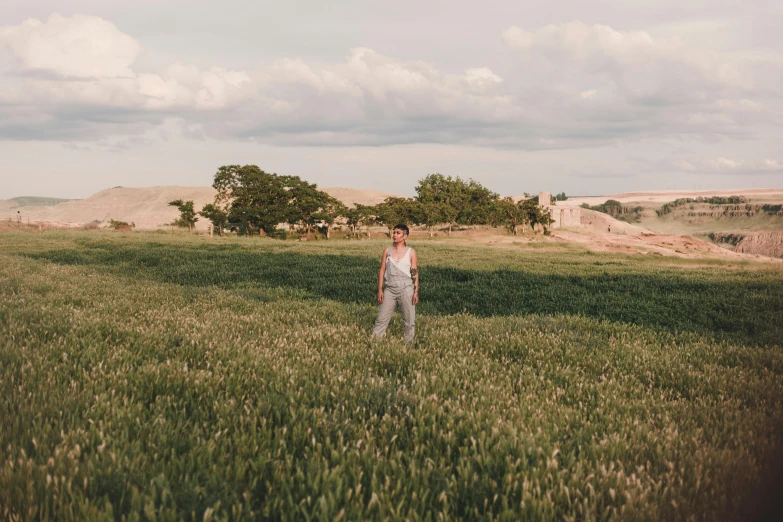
(562, 216)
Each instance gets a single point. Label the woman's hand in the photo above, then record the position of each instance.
(415, 299)
(380, 296)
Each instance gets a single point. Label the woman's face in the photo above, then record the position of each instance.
(398, 235)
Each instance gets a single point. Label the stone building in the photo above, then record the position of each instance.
(562, 216)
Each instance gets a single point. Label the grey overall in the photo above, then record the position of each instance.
(398, 289)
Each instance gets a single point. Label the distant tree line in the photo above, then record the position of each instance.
(252, 200)
(617, 210)
(714, 200)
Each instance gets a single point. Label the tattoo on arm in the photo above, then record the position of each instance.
(414, 274)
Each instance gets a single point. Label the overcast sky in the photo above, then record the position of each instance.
(586, 97)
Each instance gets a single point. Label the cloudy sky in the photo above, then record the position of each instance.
(586, 97)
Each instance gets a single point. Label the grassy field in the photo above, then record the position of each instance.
(159, 377)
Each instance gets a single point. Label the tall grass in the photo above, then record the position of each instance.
(176, 378)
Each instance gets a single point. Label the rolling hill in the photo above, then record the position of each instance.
(147, 207)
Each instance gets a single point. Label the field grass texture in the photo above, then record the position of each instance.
(157, 377)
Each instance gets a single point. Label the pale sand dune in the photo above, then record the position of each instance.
(148, 207)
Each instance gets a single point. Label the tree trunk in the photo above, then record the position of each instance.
(327, 231)
(449, 229)
(516, 232)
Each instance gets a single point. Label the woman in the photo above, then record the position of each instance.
(399, 272)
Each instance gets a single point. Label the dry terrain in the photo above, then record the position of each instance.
(664, 196)
(671, 235)
(147, 207)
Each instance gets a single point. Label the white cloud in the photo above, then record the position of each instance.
(368, 97)
(188, 87)
(722, 165)
(83, 46)
(570, 85)
(771, 164)
(581, 40)
(482, 76)
(636, 64)
(684, 165)
(725, 163)
(642, 86)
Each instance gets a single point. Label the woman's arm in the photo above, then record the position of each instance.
(415, 276)
(381, 273)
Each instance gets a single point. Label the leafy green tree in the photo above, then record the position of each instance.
(216, 215)
(328, 214)
(428, 214)
(116, 224)
(393, 211)
(446, 192)
(310, 205)
(261, 200)
(535, 214)
(353, 218)
(513, 215)
(360, 215)
(612, 207)
(616, 209)
(561, 197)
(480, 206)
(187, 215)
(463, 202)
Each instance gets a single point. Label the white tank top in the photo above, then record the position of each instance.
(398, 268)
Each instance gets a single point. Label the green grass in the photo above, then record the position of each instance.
(152, 377)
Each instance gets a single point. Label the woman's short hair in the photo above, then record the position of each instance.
(402, 227)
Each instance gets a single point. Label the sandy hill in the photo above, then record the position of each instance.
(148, 207)
(664, 196)
(30, 201)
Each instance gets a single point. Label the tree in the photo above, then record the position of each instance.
(561, 197)
(116, 224)
(360, 215)
(187, 215)
(464, 202)
(329, 212)
(257, 199)
(310, 205)
(216, 215)
(428, 214)
(444, 191)
(513, 214)
(480, 205)
(611, 206)
(535, 214)
(393, 211)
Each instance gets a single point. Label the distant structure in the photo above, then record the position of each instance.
(562, 216)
